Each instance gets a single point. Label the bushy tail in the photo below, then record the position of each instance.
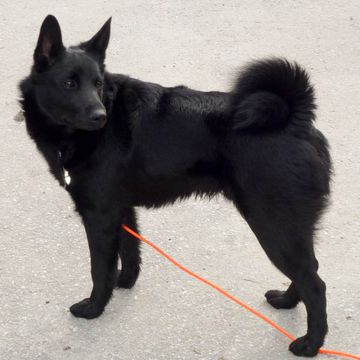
(269, 95)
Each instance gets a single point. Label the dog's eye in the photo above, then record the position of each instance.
(99, 84)
(69, 84)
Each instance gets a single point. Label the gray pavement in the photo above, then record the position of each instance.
(44, 264)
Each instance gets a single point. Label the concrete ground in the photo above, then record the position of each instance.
(44, 263)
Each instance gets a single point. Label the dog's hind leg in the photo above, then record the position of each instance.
(283, 299)
(129, 251)
(285, 231)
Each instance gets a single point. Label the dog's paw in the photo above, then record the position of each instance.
(279, 300)
(303, 346)
(127, 279)
(86, 309)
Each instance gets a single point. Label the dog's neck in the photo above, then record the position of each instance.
(58, 144)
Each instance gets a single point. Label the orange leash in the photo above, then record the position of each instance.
(229, 296)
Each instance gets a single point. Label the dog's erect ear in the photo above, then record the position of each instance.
(98, 43)
(49, 45)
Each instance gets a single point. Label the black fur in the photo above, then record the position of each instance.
(256, 146)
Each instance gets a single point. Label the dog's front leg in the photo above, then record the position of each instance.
(101, 229)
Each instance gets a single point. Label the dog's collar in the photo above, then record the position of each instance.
(67, 178)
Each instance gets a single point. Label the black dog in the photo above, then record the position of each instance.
(128, 143)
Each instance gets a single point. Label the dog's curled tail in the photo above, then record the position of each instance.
(271, 94)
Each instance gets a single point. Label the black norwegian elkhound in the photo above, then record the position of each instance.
(129, 143)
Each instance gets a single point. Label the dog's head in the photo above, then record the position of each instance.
(69, 81)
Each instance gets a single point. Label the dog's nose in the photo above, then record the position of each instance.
(98, 116)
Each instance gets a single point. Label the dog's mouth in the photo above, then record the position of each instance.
(85, 124)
